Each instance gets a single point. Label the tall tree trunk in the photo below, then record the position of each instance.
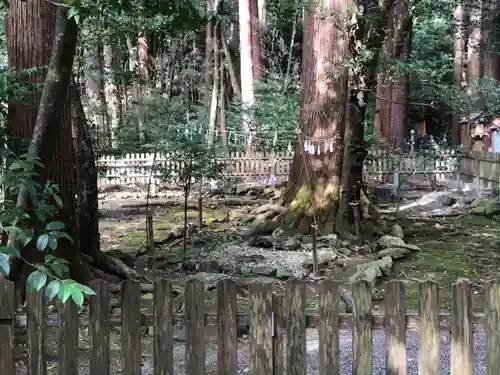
(215, 86)
(208, 68)
(315, 174)
(87, 217)
(490, 39)
(96, 93)
(249, 64)
(114, 84)
(45, 117)
(474, 65)
(458, 65)
(400, 87)
(382, 118)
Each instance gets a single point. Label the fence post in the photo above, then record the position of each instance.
(428, 362)
(227, 344)
(68, 337)
(492, 327)
(395, 328)
(7, 327)
(362, 335)
(195, 327)
(261, 334)
(99, 328)
(36, 332)
(329, 359)
(163, 350)
(131, 327)
(461, 328)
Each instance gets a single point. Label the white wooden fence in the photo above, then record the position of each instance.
(135, 169)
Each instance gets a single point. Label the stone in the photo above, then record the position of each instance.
(446, 200)
(390, 241)
(252, 258)
(261, 241)
(211, 266)
(345, 251)
(249, 189)
(209, 279)
(330, 240)
(495, 245)
(188, 265)
(327, 256)
(411, 247)
(397, 231)
(283, 273)
(292, 244)
(394, 253)
(264, 269)
(492, 208)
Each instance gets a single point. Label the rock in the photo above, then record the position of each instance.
(292, 244)
(390, 241)
(330, 240)
(142, 261)
(397, 231)
(385, 265)
(485, 207)
(249, 189)
(327, 256)
(261, 241)
(345, 251)
(253, 258)
(188, 265)
(446, 200)
(211, 266)
(209, 279)
(394, 253)
(492, 208)
(411, 247)
(372, 270)
(495, 245)
(264, 269)
(234, 250)
(283, 273)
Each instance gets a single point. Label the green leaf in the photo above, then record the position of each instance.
(4, 264)
(28, 235)
(10, 251)
(54, 225)
(15, 165)
(49, 258)
(72, 12)
(36, 280)
(76, 295)
(58, 234)
(58, 269)
(53, 243)
(86, 290)
(52, 289)
(42, 242)
(64, 292)
(58, 200)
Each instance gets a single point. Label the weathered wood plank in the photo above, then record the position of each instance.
(278, 335)
(227, 344)
(492, 327)
(260, 319)
(295, 301)
(362, 335)
(461, 328)
(428, 359)
(36, 332)
(312, 321)
(395, 329)
(131, 328)
(99, 328)
(329, 351)
(195, 328)
(7, 314)
(68, 337)
(163, 350)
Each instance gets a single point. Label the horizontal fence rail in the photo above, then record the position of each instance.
(277, 328)
(273, 166)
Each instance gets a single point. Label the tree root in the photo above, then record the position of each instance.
(108, 263)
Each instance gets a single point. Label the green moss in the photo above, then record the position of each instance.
(447, 258)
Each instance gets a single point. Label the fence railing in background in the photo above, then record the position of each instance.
(260, 167)
(482, 168)
(277, 335)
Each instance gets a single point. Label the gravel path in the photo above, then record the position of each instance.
(346, 355)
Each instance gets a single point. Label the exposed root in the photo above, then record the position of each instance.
(108, 263)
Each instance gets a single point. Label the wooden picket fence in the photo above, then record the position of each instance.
(277, 324)
(261, 166)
